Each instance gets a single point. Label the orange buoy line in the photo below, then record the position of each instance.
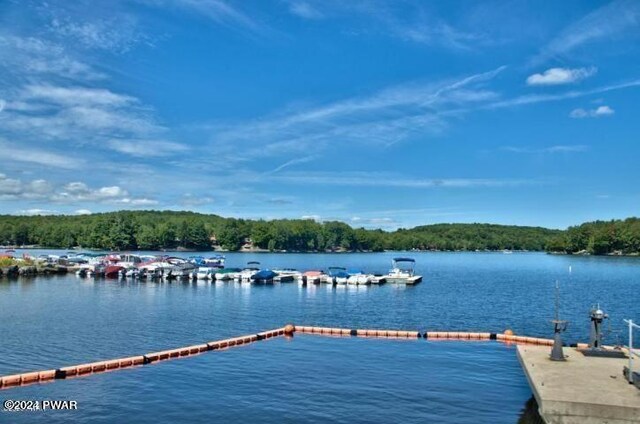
(508, 336)
(121, 363)
(115, 364)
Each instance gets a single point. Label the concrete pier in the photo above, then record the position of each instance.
(580, 390)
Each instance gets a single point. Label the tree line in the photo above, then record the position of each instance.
(158, 230)
(599, 238)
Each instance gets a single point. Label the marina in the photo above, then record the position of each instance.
(168, 268)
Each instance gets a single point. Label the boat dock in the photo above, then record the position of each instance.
(582, 389)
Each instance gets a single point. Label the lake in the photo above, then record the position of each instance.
(49, 322)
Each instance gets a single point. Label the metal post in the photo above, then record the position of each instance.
(631, 351)
(558, 327)
(631, 325)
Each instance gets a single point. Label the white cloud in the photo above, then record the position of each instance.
(136, 202)
(82, 115)
(82, 212)
(35, 212)
(598, 112)
(11, 188)
(304, 10)
(384, 118)
(376, 222)
(190, 200)
(552, 149)
(558, 76)
(146, 148)
(76, 96)
(606, 23)
(218, 11)
(292, 162)
(118, 34)
(71, 193)
(542, 98)
(380, 179)
(37, 156)
(34, 56)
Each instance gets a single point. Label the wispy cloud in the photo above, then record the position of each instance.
(598, 112)
(375, 179)
(36, 212)
(13, 152)
(292, 162)
(383, 118)
(608, 22)
(117, 34)
(305, 10)
(82, 115)
(31, 56)
(541, 98)
(576, 148)
(190, 200)
(146, 148)
(409, 21)
(218, 11)
(558, 76)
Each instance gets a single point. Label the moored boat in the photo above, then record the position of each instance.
(313, 276)
(264, 276)
(403, 275)
(248, 272)
(206, 273)
(286, 275)
(227, 273)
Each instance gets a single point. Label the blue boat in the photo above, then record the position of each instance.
(337, 274)
(263, 276)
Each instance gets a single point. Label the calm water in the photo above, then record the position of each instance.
(51, 322)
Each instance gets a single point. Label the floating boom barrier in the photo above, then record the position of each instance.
(73, 371)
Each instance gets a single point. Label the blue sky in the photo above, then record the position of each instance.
(382, 114)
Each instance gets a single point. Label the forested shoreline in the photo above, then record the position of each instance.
(616, 237)
(168, 230)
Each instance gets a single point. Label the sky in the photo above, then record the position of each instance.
(381, 114)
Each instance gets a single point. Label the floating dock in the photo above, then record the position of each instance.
(582, 389)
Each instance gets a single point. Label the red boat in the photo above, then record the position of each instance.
(112, 271)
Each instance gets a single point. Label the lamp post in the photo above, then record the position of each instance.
(559, 326)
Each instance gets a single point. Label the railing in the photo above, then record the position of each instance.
(631, 352)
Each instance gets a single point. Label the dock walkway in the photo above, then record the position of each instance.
(581, 389)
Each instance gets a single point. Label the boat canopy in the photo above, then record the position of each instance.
(338, 267)
(253, 263)
(404, 260)
(265, 274)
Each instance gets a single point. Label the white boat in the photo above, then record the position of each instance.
(378, 279)
(342, 279)
(286, 275)
(206, 273)
(404, 275)
(363, 279)
(249, 271)
(216, 261)
(336, 275)
(225, 274)
(357, 277)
